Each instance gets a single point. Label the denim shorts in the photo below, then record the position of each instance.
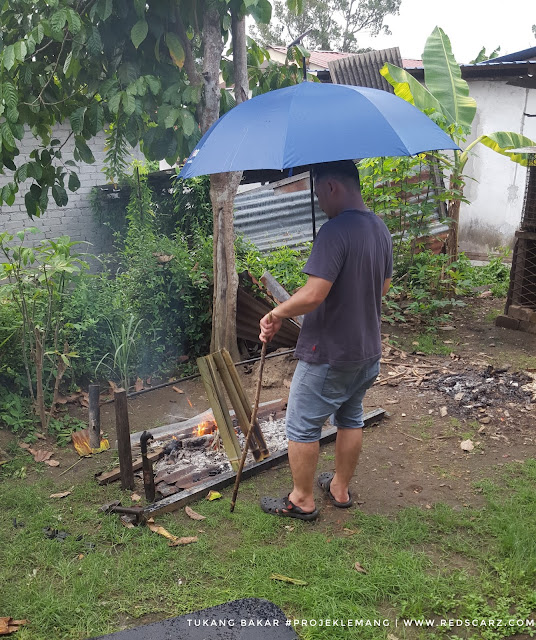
(319, 391)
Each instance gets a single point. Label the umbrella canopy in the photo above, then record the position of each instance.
(310, 123)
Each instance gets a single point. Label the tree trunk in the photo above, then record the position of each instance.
(240, 65)
(223, 188)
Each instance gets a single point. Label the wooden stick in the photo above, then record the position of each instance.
(94, 416)
(250, 431)
(123, 439)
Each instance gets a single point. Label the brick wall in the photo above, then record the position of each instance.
(77, 219)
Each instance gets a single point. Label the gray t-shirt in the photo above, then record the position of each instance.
(354, 250)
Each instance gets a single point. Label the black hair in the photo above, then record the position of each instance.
(344, 170)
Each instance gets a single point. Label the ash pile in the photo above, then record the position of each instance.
(194, 457)
(476, 390)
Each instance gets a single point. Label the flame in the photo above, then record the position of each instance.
(188, 401)
(204, 428)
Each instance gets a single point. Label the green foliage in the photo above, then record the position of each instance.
(335, 24)
(16, 412)
(285, 264)
(482, 55)
(124, 341)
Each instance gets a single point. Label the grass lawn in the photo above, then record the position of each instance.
(422, 564)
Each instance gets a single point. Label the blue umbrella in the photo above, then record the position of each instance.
(310, 123)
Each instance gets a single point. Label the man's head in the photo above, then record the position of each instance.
(337, 186)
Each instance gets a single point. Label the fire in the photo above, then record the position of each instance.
(188, 401)
(204, 428)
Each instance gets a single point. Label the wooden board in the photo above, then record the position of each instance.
(115, 474)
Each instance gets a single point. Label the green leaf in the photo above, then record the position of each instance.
(9, 57)
(104, 9)
(67, 62)
(114, 102)
(129, 103)
(74, 22)
(77, 120)
(74, 182)
(153, 84)
(20, 50)
(94, 42)
(95, 118)
(22, 173)
(60, 195)
(139, 33)
(501, 141)
(31, 205)
(175, 49)
(410, 90)
(84, 152)
(7, 135)
(444, 80)
(171, 118)
(10, 95)
(295, 6)
(58, 20)
(188, 123)
(262, 11)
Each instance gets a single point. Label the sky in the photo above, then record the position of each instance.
(470, 25)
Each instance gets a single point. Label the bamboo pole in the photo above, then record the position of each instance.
(236, 401)
(123, 439)
(221, 415)
(94, 416)
(257, 433)
(250, 432)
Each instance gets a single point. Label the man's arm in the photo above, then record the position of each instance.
(386, 286)
(309, 297)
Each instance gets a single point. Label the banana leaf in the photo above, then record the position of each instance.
(411, 90)
(501, 141)
(443, 79)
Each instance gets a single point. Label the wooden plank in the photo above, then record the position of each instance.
(226, 479)
(257, 434)
(216, 400)
(278, 291)
(115, 474)
(123, 439)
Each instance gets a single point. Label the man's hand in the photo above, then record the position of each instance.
(270, 325)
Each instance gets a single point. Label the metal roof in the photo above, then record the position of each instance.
(517, 56)
(363, 69)
(318, 58)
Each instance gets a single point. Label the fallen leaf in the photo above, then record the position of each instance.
(177, 390)
(391, 636)
(181, 541)
(8, 625)
(359, 568)
(448, 341)
(467, 445)
(278, 576)
(482, 429)
(193, 514)
(40, 436)
(459, 396)
(447, 328)
(24, 445)
(174, 540)
(213, 495)
(138, 385)
(63, 494)
(135, 497)
(149, 381)
(443, 412)
(485, 420)
(351, 532)
(485, 294)
(52, 463)
(183, 359)
(40, 455)
(126, 522)
(81, 556)
(112, 384)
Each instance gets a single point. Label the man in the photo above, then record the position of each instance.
(339, 348)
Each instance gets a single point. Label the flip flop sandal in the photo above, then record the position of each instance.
(286, 509)
(324, 482)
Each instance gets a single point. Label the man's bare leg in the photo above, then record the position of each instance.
(303, 459)
(347, 450)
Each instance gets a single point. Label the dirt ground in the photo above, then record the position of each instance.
(410, 458)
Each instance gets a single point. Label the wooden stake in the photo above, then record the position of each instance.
(123, 439)
(94, 416)
(216, 398)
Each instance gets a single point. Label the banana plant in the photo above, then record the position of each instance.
(445, 98)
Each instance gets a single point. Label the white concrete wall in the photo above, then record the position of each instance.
(496, 185)
(77, 219)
